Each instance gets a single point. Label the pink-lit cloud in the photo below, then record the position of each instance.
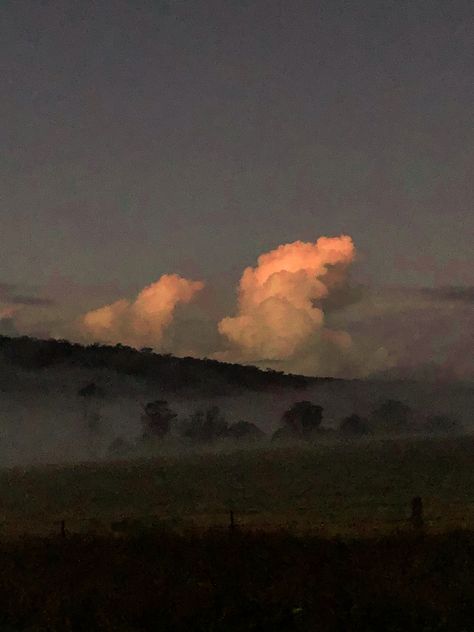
(141, 322)
(280, 299)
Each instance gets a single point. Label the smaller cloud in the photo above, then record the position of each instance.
(19, 312)
(141, 322)
(8, 295)
(32, 301)
(450, 293)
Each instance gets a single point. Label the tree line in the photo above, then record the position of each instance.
(302, 421)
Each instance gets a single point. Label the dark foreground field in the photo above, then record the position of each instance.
(359, 489)
(322, 540)
(232, 580)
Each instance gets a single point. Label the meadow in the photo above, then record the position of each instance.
(360, 488)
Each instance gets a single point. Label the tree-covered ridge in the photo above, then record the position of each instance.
(173, 373)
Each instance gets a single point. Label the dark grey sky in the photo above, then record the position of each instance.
(155, 136)
(142, 137)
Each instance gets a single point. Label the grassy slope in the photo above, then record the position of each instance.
(339, 489)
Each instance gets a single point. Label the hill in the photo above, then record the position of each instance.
(172, 373)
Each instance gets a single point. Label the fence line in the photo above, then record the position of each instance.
(412, 515)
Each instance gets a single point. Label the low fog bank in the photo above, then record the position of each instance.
(43, 419)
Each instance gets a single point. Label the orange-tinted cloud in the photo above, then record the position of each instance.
(277, 309)
(143, 321)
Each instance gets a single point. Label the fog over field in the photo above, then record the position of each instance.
(42, 416)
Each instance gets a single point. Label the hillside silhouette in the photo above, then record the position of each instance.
(173, 373)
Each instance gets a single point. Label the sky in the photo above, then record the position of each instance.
(184, 137)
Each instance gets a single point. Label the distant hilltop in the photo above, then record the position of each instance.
(171, 372)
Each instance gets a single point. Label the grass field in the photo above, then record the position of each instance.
(343, 489)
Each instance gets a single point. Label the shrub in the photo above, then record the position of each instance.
(205, 427)
(119, 448)
(442, 424)
(303, 418)
(245, 430)
(284, 433)
(157, 419)
(354, 425)
(392, 415)
(90, 390)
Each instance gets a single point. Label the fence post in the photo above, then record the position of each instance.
(232, 521)
(416, 517)
(63, 528)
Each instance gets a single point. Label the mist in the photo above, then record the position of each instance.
(43, 418)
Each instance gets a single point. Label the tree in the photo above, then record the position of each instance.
(393, 415)
(283, 434)
(442, 424)
(91, 395)
(157, 419)
(354, 425)
(206, 426)
(90, 390)
(245, 430)
(303, 418)
(119, 448)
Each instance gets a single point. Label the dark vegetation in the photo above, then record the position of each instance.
(236, 581)
(301, 422)
(245, 430)
(210, 426)
(205, 427)
(90, 391)
(157, 419)
(91, 394)
(172, 373)
(354, 425)
(393, 415)
(441, 424)
(303, 418)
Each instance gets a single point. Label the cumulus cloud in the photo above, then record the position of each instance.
(143, 321)
(280, 304)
